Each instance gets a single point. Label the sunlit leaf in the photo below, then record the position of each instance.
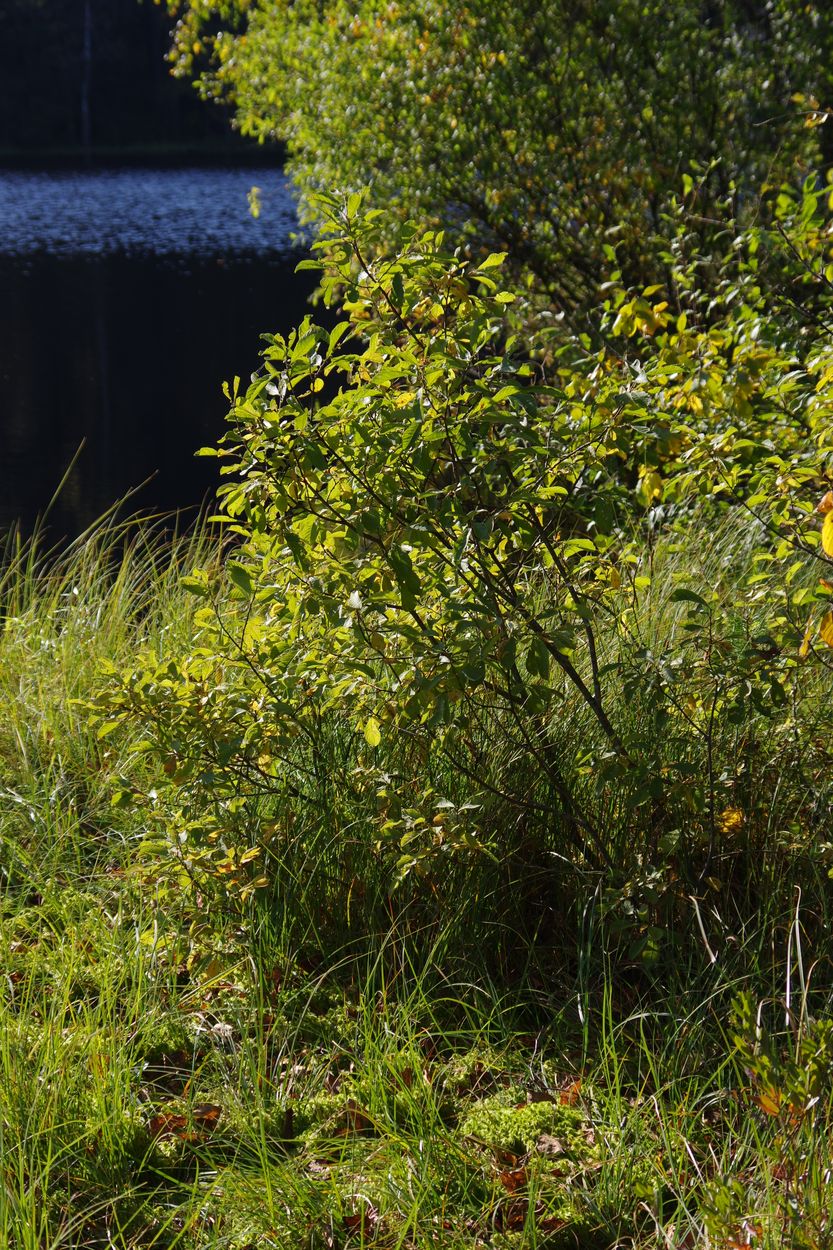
(770, 1102)
(826, 628)
(494, 261)
(827, 534)
(241, 578)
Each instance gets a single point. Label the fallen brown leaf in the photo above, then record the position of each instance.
(353, 1120)
(551, 1224)
(511, 1215)
(513, 1179)
(506, 1159)
(570, 1096)
(206, 1115)
(363, 1221)
(167, 1124)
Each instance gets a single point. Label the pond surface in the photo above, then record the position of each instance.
(127, 297)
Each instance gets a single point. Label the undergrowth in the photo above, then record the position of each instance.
(334, 1061)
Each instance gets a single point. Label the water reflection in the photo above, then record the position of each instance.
(126, 346)
(165, 212)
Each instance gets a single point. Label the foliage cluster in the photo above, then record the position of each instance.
(448, 543)
(549, 130)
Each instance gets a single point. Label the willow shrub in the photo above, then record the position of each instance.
(450, 638)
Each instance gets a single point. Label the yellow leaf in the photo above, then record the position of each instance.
(826, 628)
(827, 534)
(770, 1102)
(649, 488)
(730, 820)
(372, 732)
(825, 504)
(804, 649)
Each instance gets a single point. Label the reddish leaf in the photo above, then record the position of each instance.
(511, 1215)
(428, 1048)
(363, 1221)
(513, 1179)
(551, 1224)
(745, 1237)
(174, 1124)
(506, 1159)
(570, 1096)
(354, 1120)
(206, 1115)
(167, 1124)
(332, 1082)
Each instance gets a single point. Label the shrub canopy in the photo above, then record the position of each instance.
(555, 131)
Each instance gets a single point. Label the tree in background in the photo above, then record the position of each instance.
(556, 131)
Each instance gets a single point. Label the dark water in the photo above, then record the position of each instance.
(126, 298)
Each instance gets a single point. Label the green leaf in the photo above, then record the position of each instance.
(538, 659)
(241, 578)
(195, 586)
(402, 565)
(682, 595)
(493, 261)
(336, 335)
(372, 732)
